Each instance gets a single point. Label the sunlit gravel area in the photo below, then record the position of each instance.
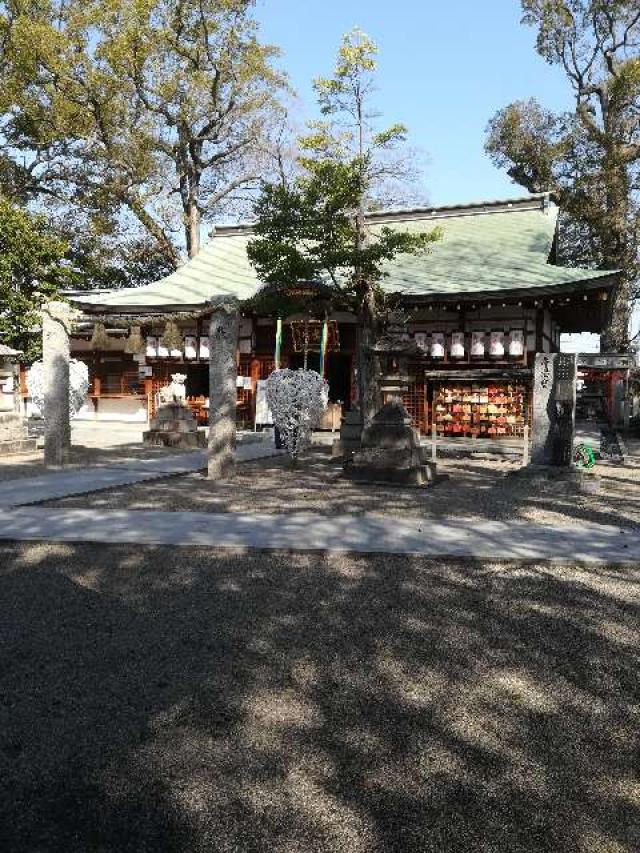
(483, 487)
(160, 699)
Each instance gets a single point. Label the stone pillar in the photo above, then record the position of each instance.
(554, 409)
(56, 325)
(223, 342)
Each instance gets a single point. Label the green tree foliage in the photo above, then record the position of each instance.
(588, 157)
(32, 269)
(314, 226)
(146, 114)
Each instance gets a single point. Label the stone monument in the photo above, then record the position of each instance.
(57, 319)
(223, 370)
(390, 451)
(554, 406)
(13, 428)
(174, 424)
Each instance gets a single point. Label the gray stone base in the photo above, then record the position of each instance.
(416, 475)
(174, 438)
(13, 435)
(19, 445)
(174, 426)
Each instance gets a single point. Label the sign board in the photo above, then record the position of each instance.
(615, 361)
(263, 413)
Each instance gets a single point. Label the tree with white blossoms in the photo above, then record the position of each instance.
(78, 385)
(297, 399)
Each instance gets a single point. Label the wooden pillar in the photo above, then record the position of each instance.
(56, 325)
(223, 338)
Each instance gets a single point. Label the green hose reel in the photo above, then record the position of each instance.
(584, 457)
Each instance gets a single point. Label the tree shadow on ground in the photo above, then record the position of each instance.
(182, 699)
(475, 488)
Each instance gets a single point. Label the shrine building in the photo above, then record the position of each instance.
(488, 297)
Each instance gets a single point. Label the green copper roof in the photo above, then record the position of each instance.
(492, 247)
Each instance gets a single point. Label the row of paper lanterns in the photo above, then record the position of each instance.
(500, 344)
(193, 347)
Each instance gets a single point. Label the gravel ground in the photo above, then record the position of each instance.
(186, 701)
(32, 465)
(483, 488)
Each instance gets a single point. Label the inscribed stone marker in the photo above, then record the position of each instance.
(554, 405)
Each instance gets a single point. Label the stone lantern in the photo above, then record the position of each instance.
(393, 349)
(390, 450)
(13, 429)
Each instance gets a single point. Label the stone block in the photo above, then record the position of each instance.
(20, 445)
(180, 440)
(174, 425)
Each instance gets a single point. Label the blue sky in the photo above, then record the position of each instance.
(444, 69)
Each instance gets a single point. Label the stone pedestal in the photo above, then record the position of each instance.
(390, 451)
(350, 434)
(13, 435)
(56, 326)
(554, 406)
(174, 425)
(223, 340)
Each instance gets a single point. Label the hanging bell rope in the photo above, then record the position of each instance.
(135, 342)
(99, 338)
(171, 337)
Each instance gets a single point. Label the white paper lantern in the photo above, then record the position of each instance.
(477, 344)
(420, 339)
(437, 345)
(516, 343)
(190, 346)
(203, 351)
(457, 345)
(163, 352)
(152, 347)
(496, 344)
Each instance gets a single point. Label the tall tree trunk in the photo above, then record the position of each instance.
(192, 229)
(368, 310)
(618, 252)
(366, 358)
(615, 335)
